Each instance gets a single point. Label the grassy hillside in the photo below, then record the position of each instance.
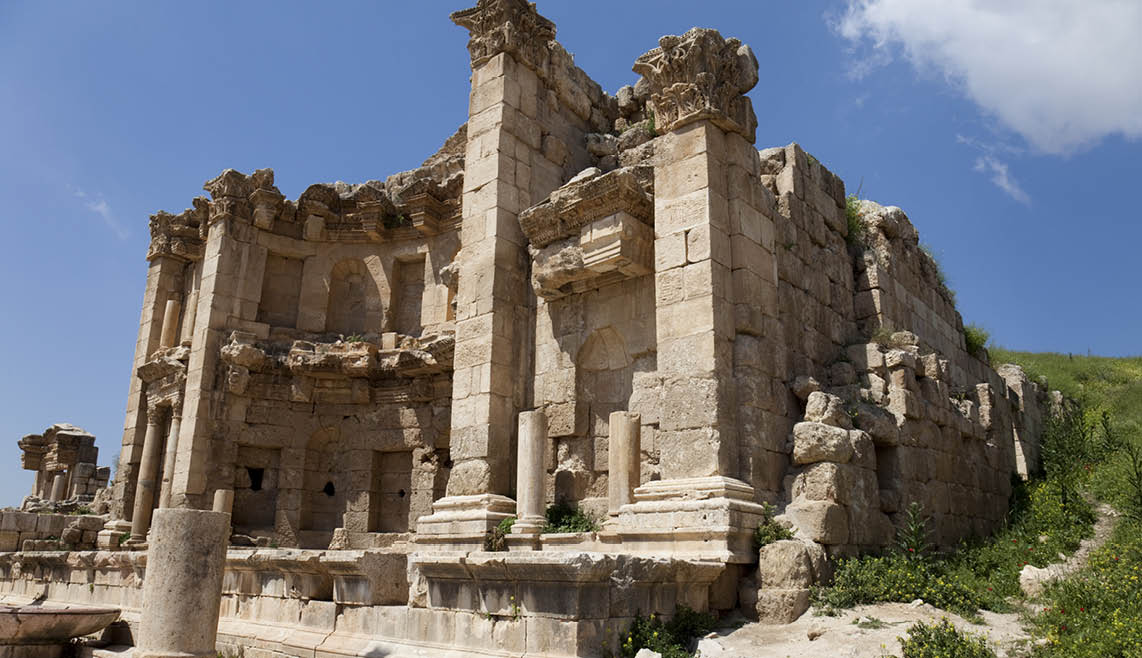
(1103, 383)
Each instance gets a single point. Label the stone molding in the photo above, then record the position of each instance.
(701, 75)
(180, 236)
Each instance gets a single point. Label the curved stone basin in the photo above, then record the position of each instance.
(32, 624)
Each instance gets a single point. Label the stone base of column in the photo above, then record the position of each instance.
(111, 537)
(461, 523)
(706, 518)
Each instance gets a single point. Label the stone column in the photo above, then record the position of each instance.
(530, 476)
(182, 591)
(697, 83)
(224, 500)
(164, 281)
(170, 323)
(508, 43)
(59, 486)
(169, 454)
(36, 483)
(623, 464)
(187, 336)
(148, 469)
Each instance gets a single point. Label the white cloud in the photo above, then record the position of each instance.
(100, 207)
(1001, 177)
(1061, 73)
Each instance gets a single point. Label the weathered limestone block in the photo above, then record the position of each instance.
(821, 521)
(781, 606)
(785, 564)
(817, 442)
(879, 424)
(828, 409)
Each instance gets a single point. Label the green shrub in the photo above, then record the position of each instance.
(853, 214)
(942, 640)
(769, 531)
(562, 517)
(912, 537)
(671, 639)
(975, 338)
(980, 574)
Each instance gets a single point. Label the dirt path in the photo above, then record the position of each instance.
(870, 631)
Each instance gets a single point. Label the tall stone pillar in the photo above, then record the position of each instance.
(623, 447)
(530, 474)
(148, 470)
(509, 43)
(164, 281)
(169, 454)
(187, 336)
(182, 590)
(696, 83)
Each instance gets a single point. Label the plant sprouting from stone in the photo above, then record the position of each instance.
(770, 530)
(496, 540)
(975, 339)
(562, 517)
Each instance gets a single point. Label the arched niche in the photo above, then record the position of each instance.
(354, 300)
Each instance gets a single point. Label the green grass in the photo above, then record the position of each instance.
(856, 235)
(981, 574)
(975, 338)
(1096, 612)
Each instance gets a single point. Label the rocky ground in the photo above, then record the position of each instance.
(870, 631)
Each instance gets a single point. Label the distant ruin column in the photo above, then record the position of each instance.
(182, 590)
(170, 323)
(169, 454)
(623, 447)
(148, 469)
(530, 516)
(59, 486)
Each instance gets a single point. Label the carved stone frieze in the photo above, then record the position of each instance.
(701, 75)
(511, 26)
(584, 200)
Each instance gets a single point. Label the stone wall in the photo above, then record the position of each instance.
(26, 531)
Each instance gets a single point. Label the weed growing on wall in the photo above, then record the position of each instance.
(769, 530)
(975, 339)
(562, 517)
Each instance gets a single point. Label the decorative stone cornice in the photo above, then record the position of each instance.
(580, 202)
(236, 195)
(701, 75)
(180, 235)
(511, 26)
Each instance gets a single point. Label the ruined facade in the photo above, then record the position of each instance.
(65, 462)
(614, 302)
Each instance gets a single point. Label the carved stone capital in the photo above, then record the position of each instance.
(181, 235)
(701, 75)
(511, 26)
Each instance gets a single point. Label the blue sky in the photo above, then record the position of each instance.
(1010, 137)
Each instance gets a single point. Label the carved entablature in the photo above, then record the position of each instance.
(181, 235)
(164, 376)
(511, 26)
(238, 196)
(426, 206)
(700, 75)
(33, 447)
(591, 232)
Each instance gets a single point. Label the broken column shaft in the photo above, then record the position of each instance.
(529, 473)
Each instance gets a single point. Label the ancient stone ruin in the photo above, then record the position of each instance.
(617, 304)
(65, 461)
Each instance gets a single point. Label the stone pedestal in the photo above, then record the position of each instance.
(461, 523)
(529, 473)
(704, 518)
(183, 587)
